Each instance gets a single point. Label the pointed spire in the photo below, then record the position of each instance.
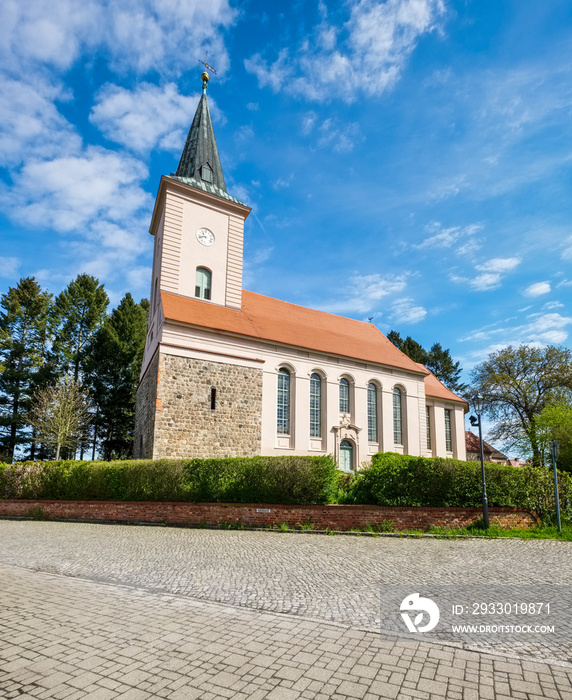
(200, 160)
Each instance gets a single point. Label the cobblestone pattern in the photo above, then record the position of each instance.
(186, 425)
(75, 639)
(332, 517)
(336, 579)
(145, 412)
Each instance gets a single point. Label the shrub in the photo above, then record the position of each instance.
(401, 480)
(289, 480)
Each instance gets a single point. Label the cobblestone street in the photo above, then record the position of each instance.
(107, 611)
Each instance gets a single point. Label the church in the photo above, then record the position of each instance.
(228, 372)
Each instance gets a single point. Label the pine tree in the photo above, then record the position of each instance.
(80, 310)
(25, 336)
(115, 356)
(409, 346)
(440, 362)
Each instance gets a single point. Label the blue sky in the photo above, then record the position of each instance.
(406, 160)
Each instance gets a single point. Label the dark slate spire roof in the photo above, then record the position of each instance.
(200, 161)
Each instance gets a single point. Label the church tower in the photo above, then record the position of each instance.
(198, 229)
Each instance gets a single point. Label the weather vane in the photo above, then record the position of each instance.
(205, 75)
(206, 65)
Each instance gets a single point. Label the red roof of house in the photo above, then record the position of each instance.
(279, 321)
(472, 444)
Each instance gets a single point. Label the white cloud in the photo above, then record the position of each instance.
(491, 273)
(406, 311)
(537, 289)
(147, 117)
(485, 281)
(9, 266)
(332, 134)
(366, 54)
(308, 122)
(499, 265)
(447, 237)
(262, 255)
(139, 35)
(70, 192)
(342, 138)
(367, 291)
(540, 329)
(566, 254)
(283, 182)
(32, 127)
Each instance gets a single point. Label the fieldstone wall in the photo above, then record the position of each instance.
(185, 424)
(145, 412)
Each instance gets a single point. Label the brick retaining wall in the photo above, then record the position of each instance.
(334, 517)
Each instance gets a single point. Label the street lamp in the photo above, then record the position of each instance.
(478, 404)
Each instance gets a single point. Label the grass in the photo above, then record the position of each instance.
(544, 532)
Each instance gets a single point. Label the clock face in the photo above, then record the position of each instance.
(205, 236)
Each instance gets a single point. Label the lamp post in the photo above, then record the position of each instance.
(478, 403)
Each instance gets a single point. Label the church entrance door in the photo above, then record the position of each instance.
(346, 456)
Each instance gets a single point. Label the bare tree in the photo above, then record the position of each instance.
(60, 416)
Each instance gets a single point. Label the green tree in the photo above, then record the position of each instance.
(518, 384)
(408, 346)
(60, 415)
(79, 310)
(438, 360)
(555, 423)
(115, 356)
(25, 336)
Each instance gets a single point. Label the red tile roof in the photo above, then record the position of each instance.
(273, 320)
(472, 444)
(436, 389)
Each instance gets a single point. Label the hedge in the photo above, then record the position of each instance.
(391, 480)
(401, 480)
(288, 480)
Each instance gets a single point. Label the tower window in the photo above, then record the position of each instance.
(344, 396)
(213, 398)
(203, 283)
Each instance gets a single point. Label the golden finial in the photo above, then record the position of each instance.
(205, 75)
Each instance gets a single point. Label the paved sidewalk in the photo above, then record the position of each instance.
(105, 611)
(70, 638)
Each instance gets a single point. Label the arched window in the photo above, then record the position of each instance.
(448, 438)
(203, 283)
(344, 396)
(315, 405)
(283, 402)
(397, 417)
(372, 413)
(428, 421)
